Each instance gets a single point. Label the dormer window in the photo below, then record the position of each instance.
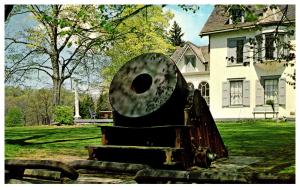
(236, 16)
(190, 59)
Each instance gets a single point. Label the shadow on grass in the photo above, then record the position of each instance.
(22, 142)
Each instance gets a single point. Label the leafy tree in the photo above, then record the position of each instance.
(17, 97)
(67, 97)
(86, 105)
(176, 35)
(45, 96)
(14, 117)
(62, 40)
(146, 32)
(35, 104)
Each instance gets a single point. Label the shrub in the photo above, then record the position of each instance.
(63, 115)
(14, 117)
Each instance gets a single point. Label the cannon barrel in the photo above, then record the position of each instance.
(148, 90)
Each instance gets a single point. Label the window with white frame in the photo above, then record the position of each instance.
(236, 15)
(204, 90)
(236, 50)
(258, 52)
(269, 47)
(236, 93)
(280, 45)
(271, 90)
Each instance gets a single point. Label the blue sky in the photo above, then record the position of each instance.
(190, 23)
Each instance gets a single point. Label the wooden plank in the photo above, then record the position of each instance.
(157, 136)
(43, 174)
(108, 166)
(103, 138)
(135, 147)
(209, 176)
(178, 138)
(153, 156)
(17, 181)
(65, 169)
(207, 134)
(145, 128)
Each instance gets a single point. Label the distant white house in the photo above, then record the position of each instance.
(193, 63)
(241, 87)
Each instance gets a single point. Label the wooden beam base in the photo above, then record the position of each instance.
(153, 156)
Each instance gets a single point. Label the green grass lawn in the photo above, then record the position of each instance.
(51, 142)
(274, 142)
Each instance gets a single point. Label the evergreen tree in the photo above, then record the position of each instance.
(176, 35)
(86, 106)
(103, 103)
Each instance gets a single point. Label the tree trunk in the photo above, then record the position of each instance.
(56, 91)
(47, 117)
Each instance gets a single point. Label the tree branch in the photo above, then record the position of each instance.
(281, 20)
(39, 14)
(67, 38)
(120, 20)
(27, 43)
(25, 69)
(15, 64)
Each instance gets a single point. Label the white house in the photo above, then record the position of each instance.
(243, 77)
(193, 63)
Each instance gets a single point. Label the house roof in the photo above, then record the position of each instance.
(200, 51)
(218, 20)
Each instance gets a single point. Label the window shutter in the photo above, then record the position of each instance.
(246, 93)
(225, 94)
(246, 57)
(281, 91)
(259, 101)
(231, 50)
